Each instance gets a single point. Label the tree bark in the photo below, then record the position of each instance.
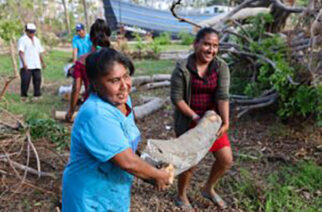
(188, 149)
(86, 14)
(67, 22)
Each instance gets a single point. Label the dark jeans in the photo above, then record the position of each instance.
(25, 76)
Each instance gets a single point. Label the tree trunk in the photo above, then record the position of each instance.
(187, 150)
(67, 22)
(85, 14)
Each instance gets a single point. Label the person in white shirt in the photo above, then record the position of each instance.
(31, 61)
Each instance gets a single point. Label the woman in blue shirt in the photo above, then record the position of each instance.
(104, 138)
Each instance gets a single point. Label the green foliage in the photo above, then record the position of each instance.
(10, 29)
(155, 46)
(294, 100)
(186, 38)
(163, 39)
(287, 188)
(281, 190)
(140, 45)
(49, 129)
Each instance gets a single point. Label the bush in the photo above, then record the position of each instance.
(49, 129)
(163, 39)
(186, 38)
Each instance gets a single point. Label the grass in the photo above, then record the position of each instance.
(282, 190)
(54, 74)
(169, 47)
(150, 67)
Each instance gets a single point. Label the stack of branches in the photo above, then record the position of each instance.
(243, 44)
(21, 162)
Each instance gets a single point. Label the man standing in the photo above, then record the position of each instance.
(31, 61)
(81, 42)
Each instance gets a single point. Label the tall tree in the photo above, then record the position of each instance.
(67, 22)
(86, 14)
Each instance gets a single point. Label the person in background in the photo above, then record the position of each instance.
(99, 174)
(31, 61)
(200, 83)
(99, 36)
(81, 42)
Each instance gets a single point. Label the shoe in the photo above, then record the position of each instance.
(182, 205)
(36, 98)
(23, 98)
(217, 200)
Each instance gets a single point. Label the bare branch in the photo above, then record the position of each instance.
(179, 18)
(282, 6)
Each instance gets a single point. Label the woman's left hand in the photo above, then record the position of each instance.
(224, 128)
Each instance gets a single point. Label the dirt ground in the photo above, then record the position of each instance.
(259, 141)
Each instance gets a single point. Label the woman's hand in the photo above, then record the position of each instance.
(224, 128)
(69, 116)
(166, 178)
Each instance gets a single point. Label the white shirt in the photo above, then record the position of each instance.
(31, 50)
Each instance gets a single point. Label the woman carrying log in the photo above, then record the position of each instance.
(99, 35)
(98, 176)
(200, 83)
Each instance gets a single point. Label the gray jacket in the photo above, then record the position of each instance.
(181, 90)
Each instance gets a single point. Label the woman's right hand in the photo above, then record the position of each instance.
(165, 178)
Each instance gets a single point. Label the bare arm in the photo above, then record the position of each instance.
(186, 110)
(77, 83)
(42, 60)
(223, 109)
(74, 54)
(22, 57)
(131, 163)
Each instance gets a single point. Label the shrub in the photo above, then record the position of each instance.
(186, 38)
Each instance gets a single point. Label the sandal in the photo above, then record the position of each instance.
(179, 203)
(217, 200)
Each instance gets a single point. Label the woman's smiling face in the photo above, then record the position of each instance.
(115, 86)
(207, 48)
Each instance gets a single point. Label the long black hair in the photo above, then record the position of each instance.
(100, 33)
(100, 63)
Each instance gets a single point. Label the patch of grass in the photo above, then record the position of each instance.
(289, 185)
(165, 48)
(41, 109)
(150, 67)
(283, 190)
(55, 61)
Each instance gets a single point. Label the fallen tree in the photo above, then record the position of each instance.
(275, 64)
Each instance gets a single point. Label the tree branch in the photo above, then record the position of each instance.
(174, 4)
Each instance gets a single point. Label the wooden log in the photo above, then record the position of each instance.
(154, 85)
(187, 150)
(148, 108)
(137, 81)
(140, 111)
(61, 115)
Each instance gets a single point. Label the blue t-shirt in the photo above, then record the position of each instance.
(83, 45)
(91, 182)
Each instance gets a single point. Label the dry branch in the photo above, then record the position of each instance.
(15, 69)
(29, 169)
(172, 9)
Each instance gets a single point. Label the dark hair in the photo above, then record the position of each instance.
(99, 63)
(99, 33)
(203, 32)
